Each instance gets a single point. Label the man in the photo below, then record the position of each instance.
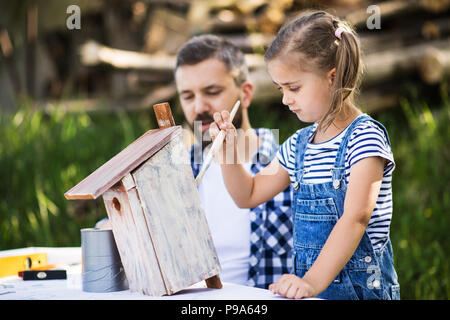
(254, 245)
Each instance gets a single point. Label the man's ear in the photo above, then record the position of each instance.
(331, 76)
(247, 91)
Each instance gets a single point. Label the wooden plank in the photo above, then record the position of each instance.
(150, 276)
(93, 53)
(171, 204)
(128, 182)
(214, 282)
(128, 159)
(165, 119)
(133, 241)
(117, 208)
(163, 115)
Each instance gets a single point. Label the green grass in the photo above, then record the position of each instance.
(421, 221)
(44, 155)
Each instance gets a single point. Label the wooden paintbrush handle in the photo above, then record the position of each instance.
(209, 157)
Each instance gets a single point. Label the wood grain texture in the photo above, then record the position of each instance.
(175, 219)
(127, 160)
(123, 230)
(214, 282)
(163, 115)
(154, 284)
(133, 241)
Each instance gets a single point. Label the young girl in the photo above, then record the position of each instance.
(340, 167)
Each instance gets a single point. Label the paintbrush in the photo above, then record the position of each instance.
(215, 146)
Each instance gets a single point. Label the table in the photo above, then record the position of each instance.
(14, 288)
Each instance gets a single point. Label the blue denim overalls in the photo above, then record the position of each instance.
(370, 273)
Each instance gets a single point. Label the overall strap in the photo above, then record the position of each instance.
(340, 156)
(300, 148)
(384, 129)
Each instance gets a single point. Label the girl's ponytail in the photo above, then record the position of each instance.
(348, 70)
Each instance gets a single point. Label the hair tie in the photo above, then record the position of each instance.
(338, 32)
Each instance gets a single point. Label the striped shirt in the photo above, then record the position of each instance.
(367, 140)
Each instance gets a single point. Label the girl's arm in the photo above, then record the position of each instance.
(364, 185)
(246, 191)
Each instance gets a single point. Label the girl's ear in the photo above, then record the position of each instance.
(246, 96)
(331, 76)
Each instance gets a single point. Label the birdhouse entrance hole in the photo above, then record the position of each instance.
(116, 204)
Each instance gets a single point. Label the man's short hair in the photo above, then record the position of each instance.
(209, 46)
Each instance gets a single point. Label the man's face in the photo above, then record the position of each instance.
(206, 88)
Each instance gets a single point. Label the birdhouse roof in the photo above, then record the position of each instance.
(122, 163)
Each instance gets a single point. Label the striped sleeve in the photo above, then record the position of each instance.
(369, 140)
(286, 153)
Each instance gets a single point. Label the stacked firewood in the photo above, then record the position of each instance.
(410, 42)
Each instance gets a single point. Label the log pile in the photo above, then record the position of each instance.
(142, 37)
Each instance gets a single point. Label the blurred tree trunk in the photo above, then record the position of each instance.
(31, 32)
(117, 27)
(7, 50)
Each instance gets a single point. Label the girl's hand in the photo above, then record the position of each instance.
(222, 122)
(293, 287)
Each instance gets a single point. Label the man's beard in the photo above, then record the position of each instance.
(205, 118)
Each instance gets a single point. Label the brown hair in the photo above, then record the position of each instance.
(312, 35)
(208, 46)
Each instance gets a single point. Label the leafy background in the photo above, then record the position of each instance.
(43, 153)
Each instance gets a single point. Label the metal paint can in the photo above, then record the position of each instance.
(102, 269)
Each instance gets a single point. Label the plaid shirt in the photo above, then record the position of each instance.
(270, 223)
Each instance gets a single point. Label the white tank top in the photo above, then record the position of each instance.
(229, 225)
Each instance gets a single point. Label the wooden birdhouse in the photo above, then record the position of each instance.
(153, 205)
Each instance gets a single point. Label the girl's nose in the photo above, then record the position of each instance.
(287, 99)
